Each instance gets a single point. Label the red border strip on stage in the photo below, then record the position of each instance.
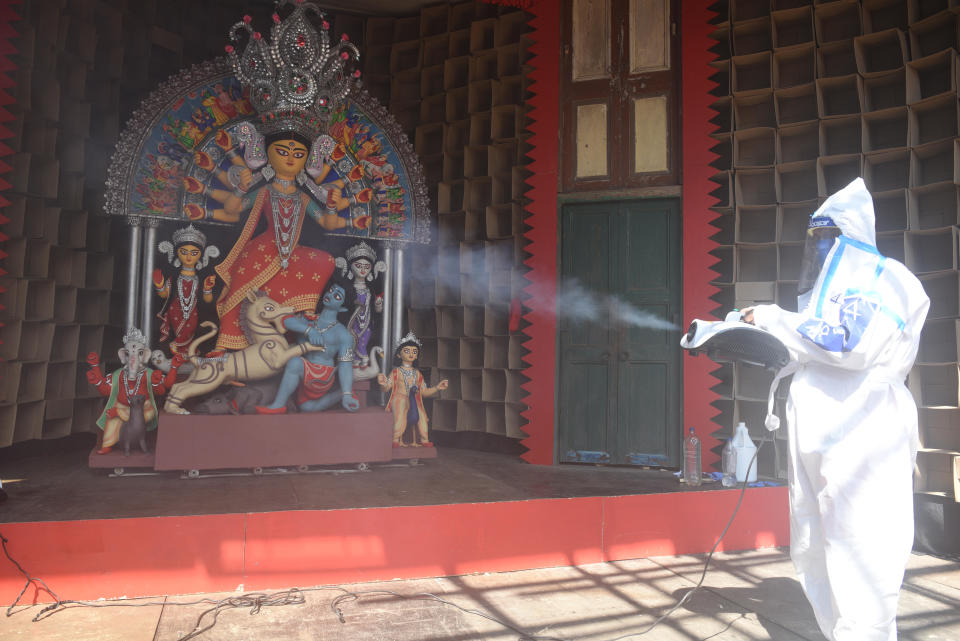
(542, 236)
(697, 216)
(109, 558)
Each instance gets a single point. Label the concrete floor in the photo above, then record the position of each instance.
(746, 596)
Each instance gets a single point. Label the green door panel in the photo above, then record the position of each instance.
(619, 374)
(645, 249)
(641, 421)
(586, 399)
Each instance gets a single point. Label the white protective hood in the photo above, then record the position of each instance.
(851, 209)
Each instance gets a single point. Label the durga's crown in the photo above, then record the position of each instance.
(298, 79)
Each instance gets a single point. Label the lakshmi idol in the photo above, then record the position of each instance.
(179, 317)
(288, 174)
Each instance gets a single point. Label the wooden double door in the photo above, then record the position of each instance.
(620, 365)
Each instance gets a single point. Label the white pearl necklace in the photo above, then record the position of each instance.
(409, 376)
(287, 219)
(187, 301)
(136, 386)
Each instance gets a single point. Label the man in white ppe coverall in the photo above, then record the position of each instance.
(853, 423)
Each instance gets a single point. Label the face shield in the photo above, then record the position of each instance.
(821, 233)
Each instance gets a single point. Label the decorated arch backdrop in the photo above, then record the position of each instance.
(160, 143)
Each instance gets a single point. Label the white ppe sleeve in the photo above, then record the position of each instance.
(855, 342)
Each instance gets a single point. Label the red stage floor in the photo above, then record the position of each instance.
(94, 536)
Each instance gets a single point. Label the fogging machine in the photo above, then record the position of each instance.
(734, 340)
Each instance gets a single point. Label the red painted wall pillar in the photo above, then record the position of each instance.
(697, 216)
(542, 236)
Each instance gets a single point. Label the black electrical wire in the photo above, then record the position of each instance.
(294, 596)
(426, 596)
(706, 564)
(30, 579)
(254, 601)
(525, 636)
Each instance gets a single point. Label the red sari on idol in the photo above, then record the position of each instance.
(272, 261)
(179, 314)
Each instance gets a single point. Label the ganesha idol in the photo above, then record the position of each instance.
(132, 388)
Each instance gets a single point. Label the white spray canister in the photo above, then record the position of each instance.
(745, 449)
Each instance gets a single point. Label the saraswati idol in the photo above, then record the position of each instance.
(282, 172)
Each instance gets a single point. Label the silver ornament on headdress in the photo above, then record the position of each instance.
(189, 235)
(411, 338)
(298, 78)
(320, 155)
(134, 335)
(254, 149)
(361, 250)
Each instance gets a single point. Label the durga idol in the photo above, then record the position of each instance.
(287, 172)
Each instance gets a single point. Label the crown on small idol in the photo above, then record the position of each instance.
(298, 79)
(411, 338)
(134, 335)
(189, 235)
(361, 250)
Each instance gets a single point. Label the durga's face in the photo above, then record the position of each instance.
(287, 157)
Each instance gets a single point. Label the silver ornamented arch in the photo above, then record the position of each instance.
(155, 152)
(159, 111)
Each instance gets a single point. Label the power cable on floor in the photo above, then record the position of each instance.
(525, 636)
(706, 564)
(256, 601)
(426, 596)
(30, 579)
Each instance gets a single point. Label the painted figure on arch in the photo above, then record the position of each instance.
(188, 252)
(361, 261)
(408, 388)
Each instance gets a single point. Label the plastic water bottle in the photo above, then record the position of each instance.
(728, 459)
(746, 451)
(691, 459)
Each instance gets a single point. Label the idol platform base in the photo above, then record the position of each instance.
(411, 453)
(115, 460)
(192, 443)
